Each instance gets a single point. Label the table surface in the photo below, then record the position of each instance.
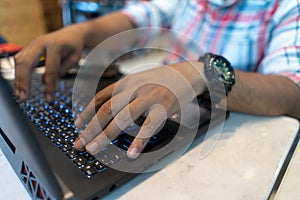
(243, 164)
(290, 183)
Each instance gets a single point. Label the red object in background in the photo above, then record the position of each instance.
(9, 49)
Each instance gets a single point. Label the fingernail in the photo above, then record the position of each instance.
(23, 95)
(79, 143)
(49, 97)
(93, 148)
(132, 153)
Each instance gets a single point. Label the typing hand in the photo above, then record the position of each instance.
(62, 50)
(158, 93)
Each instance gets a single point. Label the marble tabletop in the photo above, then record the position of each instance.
(243, 164)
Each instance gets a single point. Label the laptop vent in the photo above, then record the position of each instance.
(32, 185)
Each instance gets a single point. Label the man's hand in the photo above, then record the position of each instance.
(62, 50)
(158, 93)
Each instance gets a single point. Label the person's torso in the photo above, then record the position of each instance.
(236, 29)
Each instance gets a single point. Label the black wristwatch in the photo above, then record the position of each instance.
(219, 75)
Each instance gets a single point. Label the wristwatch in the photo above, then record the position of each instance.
(219, 75)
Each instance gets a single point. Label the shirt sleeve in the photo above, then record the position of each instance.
(282, 55)
(155, 13)
(151, 19)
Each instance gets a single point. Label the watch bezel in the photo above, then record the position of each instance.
(219, 84)
(226, 73)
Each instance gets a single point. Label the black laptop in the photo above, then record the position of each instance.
(37, 138)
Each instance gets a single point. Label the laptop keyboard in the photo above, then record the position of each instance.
(56, 121)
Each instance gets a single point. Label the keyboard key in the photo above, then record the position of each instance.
(66, 147)
(71, 141)
(53, 136)
(56, 121)
(80, 161)
(59, 142)
(72, 154)
(104, 159)
(88, 157)
(89, 170)
(114, 153)
(99, 166)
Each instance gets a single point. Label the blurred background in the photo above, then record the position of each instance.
(21, 21)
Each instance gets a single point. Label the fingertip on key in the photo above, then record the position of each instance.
(23, 95)
(133, 153)
(49, 97)
(79, 144)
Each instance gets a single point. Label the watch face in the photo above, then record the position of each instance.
(224, 70)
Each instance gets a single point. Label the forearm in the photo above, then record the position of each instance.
(261, 94)
(97, 30)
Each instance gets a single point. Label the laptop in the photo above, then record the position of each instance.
(37, 138)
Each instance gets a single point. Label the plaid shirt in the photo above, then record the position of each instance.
(255, 35)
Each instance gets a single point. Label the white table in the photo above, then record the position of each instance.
(244, 164)
(289, 188)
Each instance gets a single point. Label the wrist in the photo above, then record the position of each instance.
(78, 31)
(86, 32)
(99, 29)
(194, 73)
(199, 80)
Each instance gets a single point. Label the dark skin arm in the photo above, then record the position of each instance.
(252, 93)
(262, 94)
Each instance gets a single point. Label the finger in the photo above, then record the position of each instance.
(94, 105)
(22, 83)
(68, 62)
(156, 118)
(101, 119)
(52, 65)
(136, 109)
(90, 132)
(24, 64)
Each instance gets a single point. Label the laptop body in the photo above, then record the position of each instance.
(48, 171)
